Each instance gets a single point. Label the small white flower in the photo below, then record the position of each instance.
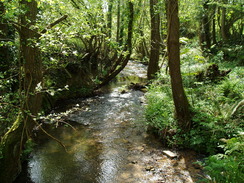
(38, 87)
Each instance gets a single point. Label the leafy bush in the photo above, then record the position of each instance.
(229, 166)
(213, 104)
(9, 100)
(159, 109)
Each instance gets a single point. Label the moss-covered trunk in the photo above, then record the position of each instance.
(11, 147)
(14, 140)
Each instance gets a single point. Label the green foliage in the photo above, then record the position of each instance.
(233, 52)
(204, 135)
(230, 91)
(218, 57)
(9, 101)
(212, 104)
(159, 112)
(227, 167)
(188, 15)
(82, 41)
(29, 146)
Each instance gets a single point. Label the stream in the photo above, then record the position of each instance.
(107, 142)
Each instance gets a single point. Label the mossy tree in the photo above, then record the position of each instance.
(14, 140)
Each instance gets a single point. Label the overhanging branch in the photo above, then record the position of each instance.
(18, 26)
(54, 23)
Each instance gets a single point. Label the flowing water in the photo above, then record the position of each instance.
(109, 143)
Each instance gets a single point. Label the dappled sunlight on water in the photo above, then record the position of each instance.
(109, 145)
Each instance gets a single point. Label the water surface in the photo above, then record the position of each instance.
(109, 143)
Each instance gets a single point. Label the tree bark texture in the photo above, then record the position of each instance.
(153, 67)
(110, 18)
(205, 36)
(30, 56)
(224, 27)
(118, 21)
(122, 26)
(15, 139)
(214, 13)
(214, 30)
(180, 100)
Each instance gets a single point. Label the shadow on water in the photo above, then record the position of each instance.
(109, 145)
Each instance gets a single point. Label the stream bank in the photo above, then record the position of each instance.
(109, 143)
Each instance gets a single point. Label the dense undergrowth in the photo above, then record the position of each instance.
(217, 104)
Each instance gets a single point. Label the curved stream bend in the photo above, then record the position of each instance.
(110, 144)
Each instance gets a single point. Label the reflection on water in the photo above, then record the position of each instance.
(51, 163)
(109, 145)
(98, 150)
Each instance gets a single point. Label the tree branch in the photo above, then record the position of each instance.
(75, 4)
(54, 23)
(18, 27)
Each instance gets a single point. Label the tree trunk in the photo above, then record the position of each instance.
(130, 27)
(122, 60)
(205, 36)
(153, 67)
(118, 22)
(122, 27)
(30, 55)
(214, 30)
(109, 18)
(182, 106)
(214, 13)
(225, 32)
(14, 140)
